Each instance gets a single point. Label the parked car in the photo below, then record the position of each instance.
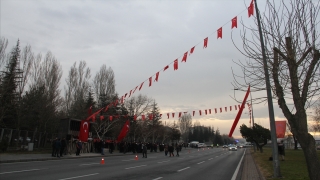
(201, 145)
(232, 148)
(224, 146)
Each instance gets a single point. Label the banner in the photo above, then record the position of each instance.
(281, 128)
(84, 131)
(124, 131)
(239, 113)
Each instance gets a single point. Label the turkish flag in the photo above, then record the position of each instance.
(143, 117)
(192, 49)
(150, 116)
(141, 86)
(115, 103)
(84, 131)
(130, 93)
(150, 81)
(135, 89)
(165, 68)
(122, 99)
(124, 131)
(135, 117)
(219, 32)
(179, 114)
(235, 106)
(225, 108)
(200, 112)
(251, 9)
(101, 118)
(168, 114)
(209, 111)
(239, 107)
(215, 110)
(94, 119)
(221, 110)
(234, 22)
(175, 64)
(125, 95)
(281, 128)
(230, 108)
(172, 115)
(205, 42)
(110, 118)
(160, 115)
(157, 76)
(185, 57)
(205, 111)
(193, 113)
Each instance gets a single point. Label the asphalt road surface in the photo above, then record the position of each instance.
(203, 164)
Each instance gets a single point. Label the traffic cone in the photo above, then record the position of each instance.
(136, 158)
(102, 161)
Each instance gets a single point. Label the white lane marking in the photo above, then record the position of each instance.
(135, 167)
(20, 171)
(128, 160)
(183, 169)
(210, 159)
(237, 169)
(164, 161)
(79, 176)
(201, 162)
(88, 164)
(157, 178)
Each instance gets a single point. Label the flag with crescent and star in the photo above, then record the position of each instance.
(84, 131)
(124, 131)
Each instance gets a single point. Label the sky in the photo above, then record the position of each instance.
(139, 38)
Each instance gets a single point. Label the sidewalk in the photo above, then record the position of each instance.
(249, 170)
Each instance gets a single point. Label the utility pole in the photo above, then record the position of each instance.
(276, 164)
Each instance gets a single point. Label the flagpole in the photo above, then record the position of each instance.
(276, 165)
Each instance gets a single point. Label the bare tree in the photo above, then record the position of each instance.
(104, 84)
(290, 30)
(315, 126)
(3, 47)
(77, 87)
(185, 123)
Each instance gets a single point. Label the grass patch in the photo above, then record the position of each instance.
(294, 167)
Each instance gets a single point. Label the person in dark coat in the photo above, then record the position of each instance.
(63, 147)
(79, 147)
(111, 147)
(57, 147)
(144, 151)
(54, 147)
(177, 150)
(171, 149)
(102, 144)
(281, 150)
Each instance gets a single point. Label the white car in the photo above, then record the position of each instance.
(232, 148)
(201, 145)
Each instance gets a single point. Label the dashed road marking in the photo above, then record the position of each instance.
(183, 169)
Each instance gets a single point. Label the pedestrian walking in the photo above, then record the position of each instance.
(177, 150)
(166, 149)
(53, 147)
(79, 147)
(102, 144)
(171, 149)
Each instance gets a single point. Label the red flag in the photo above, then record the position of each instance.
(157, 76)
(209, 111)
(239, 107)
(160, 115)
(84, 131)
(251, 9)
(143, 117)
(235, 106)
(200, 112)
(141, 86)
(116, 102)
(165, 68)
(101, 118)
(175, 64)
(135, 89)
(215, 110)
(122, 99)
(179, 114)
(110, 118)
(172, 115)
(150, 116)
(234, 22)
(135, 117)
(168, 115)
(94, 119)
(125, 95)
(205, 42)
(150, 81)
(193, 113)
(280, 128)
(221, 110)
(130, 93)
(230, 108)
(205, 111)
(192, 49)
(225, 108)
(239, 113)
(219, 33)
(105, 110)
(124, 131)
(185, 57)
(90, 111)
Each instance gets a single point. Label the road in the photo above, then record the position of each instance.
(216, 163)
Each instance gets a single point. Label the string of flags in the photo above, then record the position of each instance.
(234, 24)
(172, 114)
